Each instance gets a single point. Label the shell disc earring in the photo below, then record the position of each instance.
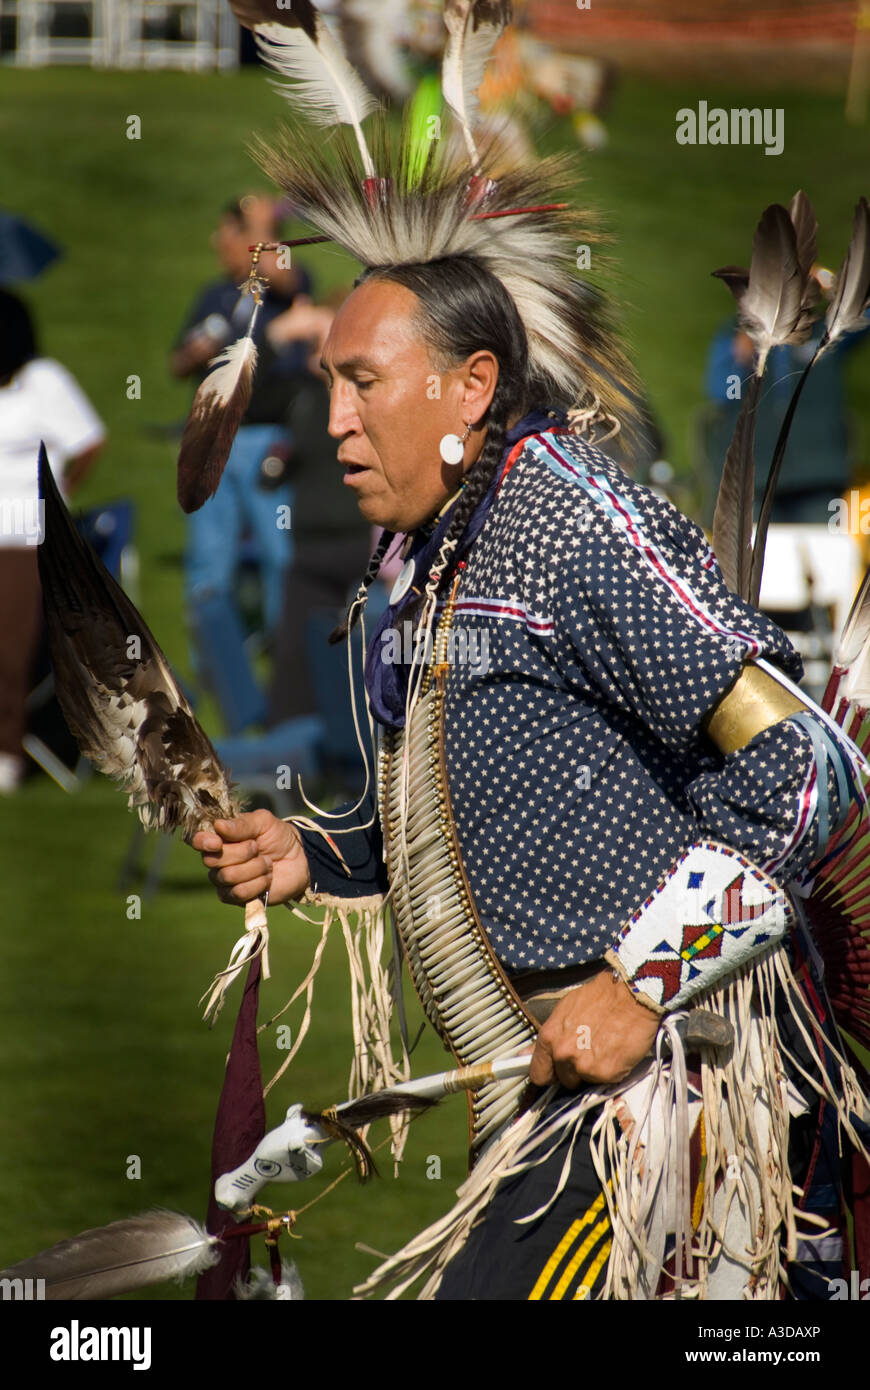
(452, 448)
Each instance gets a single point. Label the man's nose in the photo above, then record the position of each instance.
(343, 419)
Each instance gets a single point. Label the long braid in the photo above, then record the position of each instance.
(373, 569)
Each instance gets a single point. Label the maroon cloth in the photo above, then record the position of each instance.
(239, 1126)
(20, 620)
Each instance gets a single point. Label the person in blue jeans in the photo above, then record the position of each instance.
(287, 329)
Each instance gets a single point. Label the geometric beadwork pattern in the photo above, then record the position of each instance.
(711, 912)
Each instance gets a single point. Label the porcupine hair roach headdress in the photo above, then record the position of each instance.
(373, 199)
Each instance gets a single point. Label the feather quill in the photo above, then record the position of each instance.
(473, 28)
(298, 44)
(848, 306)
(121, 1257)
(215, 415)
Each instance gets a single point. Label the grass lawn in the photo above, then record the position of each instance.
(102, 1054)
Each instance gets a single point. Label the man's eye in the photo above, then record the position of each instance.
(362, 383)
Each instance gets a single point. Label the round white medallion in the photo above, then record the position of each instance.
(404, 580)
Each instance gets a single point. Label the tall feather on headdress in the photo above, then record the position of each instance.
(122, 703)
(473, 28)
(370, 31)
(298, 44)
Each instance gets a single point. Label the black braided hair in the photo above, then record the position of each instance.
(339, 633)
(464, 308)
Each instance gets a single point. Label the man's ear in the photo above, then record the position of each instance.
(480, 378)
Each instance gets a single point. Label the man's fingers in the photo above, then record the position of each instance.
(205, 840)
(231, 875)
(541, 1070)
(244, 893)
(242, 853)
(244, 827)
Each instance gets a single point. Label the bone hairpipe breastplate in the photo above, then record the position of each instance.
(460, 983)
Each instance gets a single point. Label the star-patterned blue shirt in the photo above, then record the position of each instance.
(593, 636)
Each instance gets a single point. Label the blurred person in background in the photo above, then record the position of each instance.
(331, 544)
(819, 460)
(287, 326)
(39, 401)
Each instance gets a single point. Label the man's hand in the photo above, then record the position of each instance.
(251, 855)
(599, 1032)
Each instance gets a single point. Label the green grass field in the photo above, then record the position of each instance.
(102, 1053)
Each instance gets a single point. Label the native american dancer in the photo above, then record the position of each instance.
(601, 802)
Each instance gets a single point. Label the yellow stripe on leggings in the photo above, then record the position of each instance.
(592, 1272)
(563, 1247)
(585, 1250)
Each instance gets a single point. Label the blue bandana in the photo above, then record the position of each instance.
(387, 682)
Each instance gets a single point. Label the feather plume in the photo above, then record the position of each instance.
(116, 689)
(370, 31)
(215, 416)
(473, 28)
(803, 219)
(298, 44)
(574, 355)
(121, 1257)
(732, 520)
(775, 298)
(848, 306)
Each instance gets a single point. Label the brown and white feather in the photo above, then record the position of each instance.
(299, 45)
(473, 28)
(215, 415)
(848, 307)
(116, 689)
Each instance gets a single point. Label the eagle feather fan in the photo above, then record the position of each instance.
(124, 706)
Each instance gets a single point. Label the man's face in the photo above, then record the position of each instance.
(390, 406)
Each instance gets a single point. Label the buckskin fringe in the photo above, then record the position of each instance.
(374, 1066)
(735, 1233)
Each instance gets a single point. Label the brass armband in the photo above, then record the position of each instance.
(754, 702)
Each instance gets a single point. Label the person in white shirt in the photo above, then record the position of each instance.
(40, 400)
